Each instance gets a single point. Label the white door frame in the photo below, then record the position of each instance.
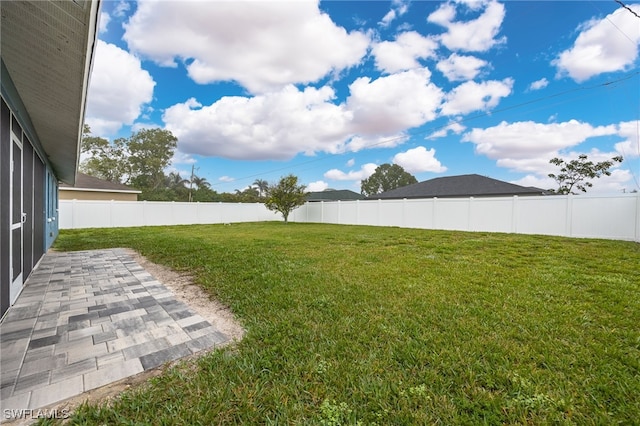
(16, 284)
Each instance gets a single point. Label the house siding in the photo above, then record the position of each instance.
(96, 195)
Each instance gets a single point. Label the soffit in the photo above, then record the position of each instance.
(47, 47)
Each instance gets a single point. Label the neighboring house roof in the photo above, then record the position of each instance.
(472, 185)
(47, 51)
(334, 195)
(90, 183)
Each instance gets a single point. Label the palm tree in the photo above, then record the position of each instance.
(200, 182)
(174, 181)
(262, 186)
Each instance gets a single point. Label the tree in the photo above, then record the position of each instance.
(139, 160)
(285, 196)
(105, 161)
(385, 178)
(574, 174)
(174, 181)
(149, 152)
(262, 186)
(200, 182)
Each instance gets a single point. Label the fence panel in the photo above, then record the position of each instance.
(491, 214)
(109, 214)
(604, 216)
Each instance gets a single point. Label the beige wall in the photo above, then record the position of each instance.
(94, 195)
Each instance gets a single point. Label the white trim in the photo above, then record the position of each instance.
(119, 191)
(15, 286)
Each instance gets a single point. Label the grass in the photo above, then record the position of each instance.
(364, 325)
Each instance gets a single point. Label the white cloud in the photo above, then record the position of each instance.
(403, 53)
(619, 181)
(606, 45)
(351, 162)
(453, 127)
(226, 179)
(419, 160)
(136, 127)
(104, 22)
(121, 8)
(393, 103)
(528, 140)
(398, 8)
(261, 45)
(317, 186)
(277, 125)
(630, 147)
(358, 143)
(472, 96)
(536, 181)
(365, 171)
(459, 68)
(388, 18)
(119, 89)
(539, 84)
(181, 158)
(477, 35)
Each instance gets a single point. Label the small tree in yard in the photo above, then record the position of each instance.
(285, 196)
(574, 174)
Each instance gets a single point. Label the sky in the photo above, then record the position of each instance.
(330, 90)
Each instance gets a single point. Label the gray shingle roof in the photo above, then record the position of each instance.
(334, 195)
(472, 185)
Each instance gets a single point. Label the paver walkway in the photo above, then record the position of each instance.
(86, 319)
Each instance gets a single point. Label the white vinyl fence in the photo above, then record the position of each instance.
(583, 216)
(113, 214)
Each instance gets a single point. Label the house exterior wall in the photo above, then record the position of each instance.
(75, 194)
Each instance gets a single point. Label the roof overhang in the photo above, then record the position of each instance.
(47, 48)
(119, 191)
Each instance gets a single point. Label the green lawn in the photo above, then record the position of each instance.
(366, 325)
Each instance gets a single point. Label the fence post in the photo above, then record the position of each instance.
(73, 214)
(469, 213)
(144, 213)
(404, 213)
(514, 215)
(434, 211)
(569, 218)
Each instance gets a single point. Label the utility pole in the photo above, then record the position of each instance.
(191, 182)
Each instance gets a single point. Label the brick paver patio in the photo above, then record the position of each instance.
(87, 319)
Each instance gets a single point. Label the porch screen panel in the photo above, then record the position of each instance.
(17, 212)
(5, 226)
(27, 197)
(39, 217)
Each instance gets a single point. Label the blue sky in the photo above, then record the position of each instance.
(330, 90)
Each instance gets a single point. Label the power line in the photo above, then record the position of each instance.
(628, 8)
